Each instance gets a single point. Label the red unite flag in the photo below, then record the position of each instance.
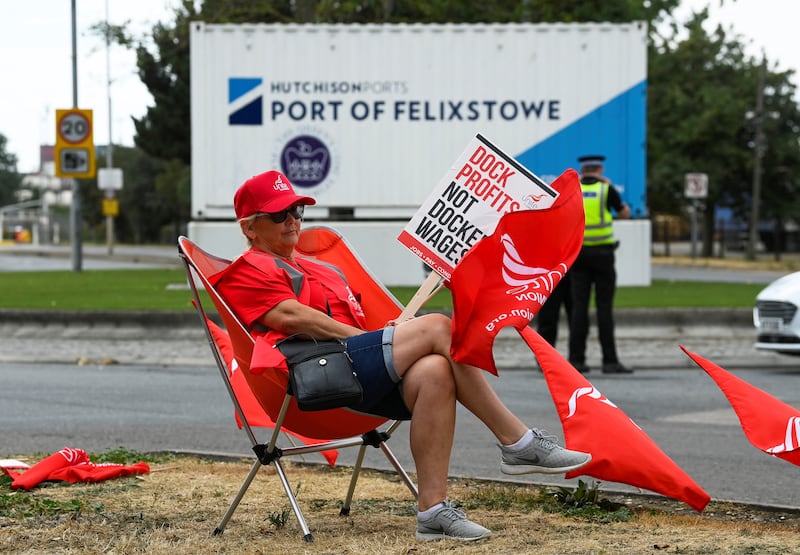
(73, 465)
(621, 451)
(505, 279)
(769, 424)
(253, 411)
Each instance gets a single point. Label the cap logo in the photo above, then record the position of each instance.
(280, 185)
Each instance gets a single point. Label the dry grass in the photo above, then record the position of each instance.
(175, 508)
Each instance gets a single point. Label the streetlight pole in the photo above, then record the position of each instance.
(75, 207)
(109, 148)
(759, 149)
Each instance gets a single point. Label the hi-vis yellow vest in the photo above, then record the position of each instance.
(599, 228)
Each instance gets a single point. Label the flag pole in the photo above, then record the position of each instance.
(431, 284)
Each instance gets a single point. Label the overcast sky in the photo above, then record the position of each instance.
(36, 61)
(36, 70)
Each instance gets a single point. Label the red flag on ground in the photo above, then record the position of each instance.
(621, 451)
(73, 465)
(97, 472)
(769, 424)
(505, 279)
(253, 411)
(39, 472)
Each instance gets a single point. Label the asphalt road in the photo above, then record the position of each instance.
(41, 258)
(44, 407)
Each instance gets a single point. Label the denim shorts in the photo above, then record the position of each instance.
(371, 353)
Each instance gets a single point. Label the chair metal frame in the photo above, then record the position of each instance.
(200, 266)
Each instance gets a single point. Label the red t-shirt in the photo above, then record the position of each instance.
(255, 283)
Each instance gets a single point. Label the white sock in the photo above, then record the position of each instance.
(521, 443)
(427, 513)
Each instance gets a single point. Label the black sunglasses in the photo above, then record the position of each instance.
(279, 217)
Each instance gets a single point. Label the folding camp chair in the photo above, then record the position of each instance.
(334, 429)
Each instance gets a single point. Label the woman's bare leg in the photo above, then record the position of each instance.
(429, 334)
(429, 392)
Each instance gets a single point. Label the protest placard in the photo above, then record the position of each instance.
(483, 184)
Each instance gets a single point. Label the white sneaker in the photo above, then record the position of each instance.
(448, 523)
(542, 455)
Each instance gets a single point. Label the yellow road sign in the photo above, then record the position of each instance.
(74, 152)
(110, 207)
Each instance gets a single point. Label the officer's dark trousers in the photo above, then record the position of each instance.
(548, 315)
(594, 267)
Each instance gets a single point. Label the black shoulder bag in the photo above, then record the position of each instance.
(321, 373)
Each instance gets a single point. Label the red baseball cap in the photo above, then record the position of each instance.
(266, 192)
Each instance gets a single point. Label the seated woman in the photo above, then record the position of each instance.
(405, 369)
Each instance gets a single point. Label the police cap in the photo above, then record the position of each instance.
(592, 160)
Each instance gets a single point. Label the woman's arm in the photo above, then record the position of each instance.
(291, 316)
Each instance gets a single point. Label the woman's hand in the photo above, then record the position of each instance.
(392, 323)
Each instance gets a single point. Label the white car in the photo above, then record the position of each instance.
(776, 316)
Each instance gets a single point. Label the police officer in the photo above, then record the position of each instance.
(594, 267)
(548, 316)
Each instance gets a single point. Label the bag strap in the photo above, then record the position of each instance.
(296, 336)
(297, 350)
(297, 277)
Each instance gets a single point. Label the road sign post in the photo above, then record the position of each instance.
(109, 180)
(696, 185)
(695, 188)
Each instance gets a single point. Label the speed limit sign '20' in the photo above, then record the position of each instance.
(74, 126)
(74, 152)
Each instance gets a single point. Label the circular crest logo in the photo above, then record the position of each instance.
(305, 160)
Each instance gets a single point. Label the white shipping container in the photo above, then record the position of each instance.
(367, 118)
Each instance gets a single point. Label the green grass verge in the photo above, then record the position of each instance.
(687, 294)
(96, 290)
(165, 290)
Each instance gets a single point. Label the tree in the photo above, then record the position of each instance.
(10, 179)
(781, 155)
(144, 210)
(600, 10)
(701, 89)
(163, 131)
(441, 11)
(697, 99)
